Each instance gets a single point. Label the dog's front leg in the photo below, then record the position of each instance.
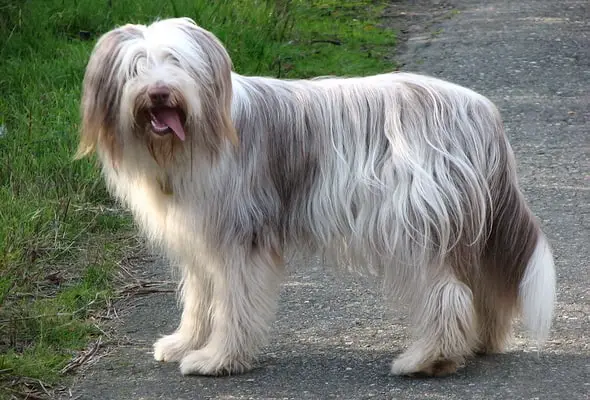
(196, 291)
(245, 294)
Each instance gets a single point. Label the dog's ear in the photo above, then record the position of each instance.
(218, 96)
(102, 90)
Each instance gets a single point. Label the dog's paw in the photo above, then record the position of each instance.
(172, 348)
(409, 365)
(209, 362)
(405, 365)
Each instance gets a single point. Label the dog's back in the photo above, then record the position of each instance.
(413, 176)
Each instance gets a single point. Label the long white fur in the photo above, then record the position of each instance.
(391, 173)
(537, 291)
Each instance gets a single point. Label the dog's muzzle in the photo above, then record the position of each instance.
(165, 118)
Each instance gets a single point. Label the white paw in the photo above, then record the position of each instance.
(208, 361)
(406, 364)
(414, 364)
(172, 348)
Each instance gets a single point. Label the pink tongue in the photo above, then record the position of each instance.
(170, 117)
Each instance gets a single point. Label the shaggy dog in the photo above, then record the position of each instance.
(405, 176)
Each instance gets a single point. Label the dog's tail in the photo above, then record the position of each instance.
(519, 260)
(537, 290)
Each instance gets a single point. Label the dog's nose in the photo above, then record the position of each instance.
(159, 94)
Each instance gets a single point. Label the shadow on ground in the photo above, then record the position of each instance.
(312, 372)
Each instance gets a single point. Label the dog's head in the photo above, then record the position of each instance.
(159, 86)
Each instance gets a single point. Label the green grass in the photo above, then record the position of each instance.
(61, 235)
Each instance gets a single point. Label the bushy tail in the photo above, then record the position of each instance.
(537, 291)
(520, 260)
(518, 265)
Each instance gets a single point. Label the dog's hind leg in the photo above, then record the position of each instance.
(245, 296)
(495, 312)
(445, 326)
(195, 324)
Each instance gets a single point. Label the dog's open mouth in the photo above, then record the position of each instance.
(165, 120)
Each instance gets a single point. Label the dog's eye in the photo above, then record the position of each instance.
(134, 71)
(172, 59)
(137, 66)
